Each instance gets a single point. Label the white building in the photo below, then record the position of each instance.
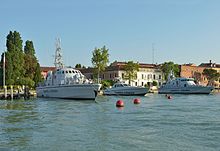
(145, 76)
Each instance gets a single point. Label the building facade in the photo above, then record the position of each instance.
(196, 72)
(44, 70)
(145, 76)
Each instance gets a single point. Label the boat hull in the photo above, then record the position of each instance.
(129, 91)
(76, 92)
(186, 90)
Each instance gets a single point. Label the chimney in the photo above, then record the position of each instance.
(210, 61)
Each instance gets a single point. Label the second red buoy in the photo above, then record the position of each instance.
(137, 101)
(169, 97)
(119, 103)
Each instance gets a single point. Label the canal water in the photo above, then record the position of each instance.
(183, 123)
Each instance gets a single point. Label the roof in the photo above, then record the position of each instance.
(46, 69)
(141, 65)
(210, 64)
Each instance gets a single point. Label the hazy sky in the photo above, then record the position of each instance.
(183, 31)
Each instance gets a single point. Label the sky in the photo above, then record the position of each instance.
(144, 31)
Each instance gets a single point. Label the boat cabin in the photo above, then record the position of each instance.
(180, 82)
(64, 76)
(116, 85)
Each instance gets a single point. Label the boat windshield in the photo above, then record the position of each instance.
(125, 85)
(121, 85)
(186, 80)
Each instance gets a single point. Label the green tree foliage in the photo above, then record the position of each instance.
(78, 66)
(37, 77)
(167, 67)
(211, 75)
(131, 69)
(107, 83)
(22, 67)
(32, 68)
(100, 59)
(14, 58)
(29, 48)
(14, 41)
(154, 83)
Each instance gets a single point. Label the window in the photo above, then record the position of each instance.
(110, 76)
(142, 83)
(159, 76)
(154, 76)
(103, 76)
(122, 75)
(142, 76)
(115, 74)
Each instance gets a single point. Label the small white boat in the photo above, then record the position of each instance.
(183, 86)
(125, 89)
(67, 83)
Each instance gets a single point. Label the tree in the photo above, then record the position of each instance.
(107, 83)
(32, 67)
(197, 76)
(154, 83)
(37, 77)
(167, 67)
(78, 66)
(131, 69)
(29, 48)
(14, 58)
(22, 67)
(211, 75)
(100, 59)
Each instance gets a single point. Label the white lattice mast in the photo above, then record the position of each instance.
(58, 62)
(153, 53)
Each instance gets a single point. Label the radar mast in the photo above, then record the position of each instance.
(58, 62)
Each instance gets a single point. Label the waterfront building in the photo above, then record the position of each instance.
(196, 72)
(193, 71)
(145, 76)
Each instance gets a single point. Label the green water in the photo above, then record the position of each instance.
(186, 122)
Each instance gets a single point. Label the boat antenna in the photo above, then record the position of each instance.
(58, 62)
(152, 53)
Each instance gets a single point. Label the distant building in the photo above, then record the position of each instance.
(145, 76)
(193, 71)
(44, 70)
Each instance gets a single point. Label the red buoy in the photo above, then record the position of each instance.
(119, 103)
(137, 101)
(169, 97)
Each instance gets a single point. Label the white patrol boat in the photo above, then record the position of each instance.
(183, 86)
(67, 83)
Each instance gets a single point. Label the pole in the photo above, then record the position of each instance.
(5, 87)
(4, 69)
